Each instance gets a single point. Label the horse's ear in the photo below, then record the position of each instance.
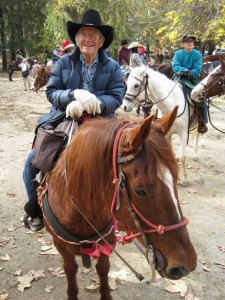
(166, 122)
(132, 139)
(222, 62)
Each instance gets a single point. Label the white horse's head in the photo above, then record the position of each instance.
(135, 87)
(212, 85)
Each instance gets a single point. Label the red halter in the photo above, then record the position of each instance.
(160, 229)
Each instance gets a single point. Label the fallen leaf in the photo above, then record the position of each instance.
(222, 249)
(57, 272)
(1, 268)
(49, 289)
(5, 240)
(205, 268)
(221, 265)
(93, 287)
(4, 295)
(25, 282)
(45, 248)
(120, 275)
(5, 258)
(11, 195)
(191, 297)
(30, 232)
(37, 274)
(11, 228)
(51, 251)
(44, 242)
(18, 272)
(179, 286)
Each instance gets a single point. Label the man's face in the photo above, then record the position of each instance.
(188, 44)
(89, 40)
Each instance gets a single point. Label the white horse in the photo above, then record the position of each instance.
(165, 94)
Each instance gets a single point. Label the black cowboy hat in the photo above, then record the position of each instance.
(186, 37)
(91, 18)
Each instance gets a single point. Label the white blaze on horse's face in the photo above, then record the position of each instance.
(166, 176)
(198, 92)
(135, 84)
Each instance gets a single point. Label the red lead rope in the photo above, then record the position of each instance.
(160, 229)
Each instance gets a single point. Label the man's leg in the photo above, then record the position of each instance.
(32, 207)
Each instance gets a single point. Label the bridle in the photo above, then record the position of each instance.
(221, 80)
(148, 101)
(121, 185)
(143, 87)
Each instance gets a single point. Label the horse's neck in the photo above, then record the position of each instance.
(163, 91)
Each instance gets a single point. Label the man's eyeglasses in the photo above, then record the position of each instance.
(85, 36)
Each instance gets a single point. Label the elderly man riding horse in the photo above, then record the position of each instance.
(83, 83)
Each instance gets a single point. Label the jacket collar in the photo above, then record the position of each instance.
(102, 56)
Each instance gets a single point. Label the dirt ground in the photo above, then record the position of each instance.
(25, 256)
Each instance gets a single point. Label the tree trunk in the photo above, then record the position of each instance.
(3, 41)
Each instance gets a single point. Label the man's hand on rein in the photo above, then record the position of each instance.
(89, 101)
(74, 109)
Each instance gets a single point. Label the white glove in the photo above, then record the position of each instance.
(74, 109)
(89, 101)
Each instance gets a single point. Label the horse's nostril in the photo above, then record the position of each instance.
(176, 273)
(125, 108)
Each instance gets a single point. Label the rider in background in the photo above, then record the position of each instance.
(124, 52)
(134, 57)
(67, 47)
(19, 56)
(187, 63)
(56, 54)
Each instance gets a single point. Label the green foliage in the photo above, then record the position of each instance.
(37, 26)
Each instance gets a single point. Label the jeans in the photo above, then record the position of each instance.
(29, 177)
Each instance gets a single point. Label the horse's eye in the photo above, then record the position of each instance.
(136, 86)
(140, 191)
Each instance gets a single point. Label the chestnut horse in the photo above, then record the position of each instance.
(120, 171)
(41, 78)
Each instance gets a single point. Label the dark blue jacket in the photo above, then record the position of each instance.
(66, 76)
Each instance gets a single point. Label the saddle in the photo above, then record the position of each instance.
(198, 113)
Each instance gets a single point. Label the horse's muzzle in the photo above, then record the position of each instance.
(127, 105)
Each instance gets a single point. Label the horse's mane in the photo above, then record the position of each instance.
(89, 164)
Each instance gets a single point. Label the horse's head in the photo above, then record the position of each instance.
(149, 204)
(41, 78)
(212, 85)
(136, 88)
